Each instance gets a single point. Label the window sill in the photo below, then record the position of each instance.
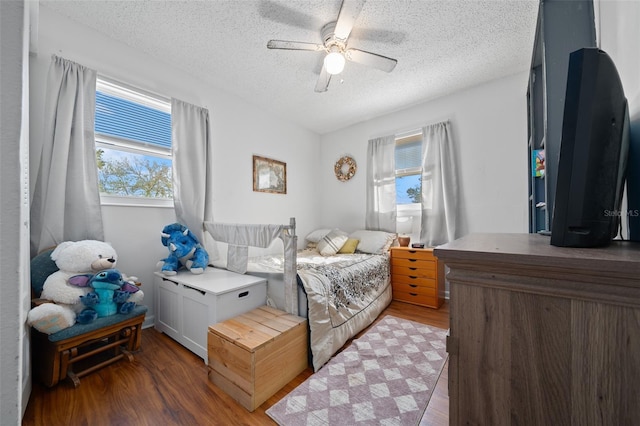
(110, 200)
(409, 208)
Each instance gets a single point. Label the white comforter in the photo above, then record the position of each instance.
(345, 294)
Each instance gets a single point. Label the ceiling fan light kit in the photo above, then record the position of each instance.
(334, 62)
(334, 37)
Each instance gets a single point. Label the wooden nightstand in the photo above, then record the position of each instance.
(417, 276)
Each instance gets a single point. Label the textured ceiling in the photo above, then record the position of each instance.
(441, 47)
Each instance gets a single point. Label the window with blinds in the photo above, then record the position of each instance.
(133, 144)
(408, 157)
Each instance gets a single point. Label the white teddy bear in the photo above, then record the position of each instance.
(72, 258)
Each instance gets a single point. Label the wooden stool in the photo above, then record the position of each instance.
(98, 344)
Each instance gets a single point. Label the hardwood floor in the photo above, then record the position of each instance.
(168, 385)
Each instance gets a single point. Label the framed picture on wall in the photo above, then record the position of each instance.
(269, 175)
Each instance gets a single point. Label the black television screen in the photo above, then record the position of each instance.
(593, 153)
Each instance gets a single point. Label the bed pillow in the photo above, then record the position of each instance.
(332, 242)
(349, 247)
(374, 242)
(316, 236)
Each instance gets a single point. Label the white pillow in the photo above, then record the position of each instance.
(332, 242)
(374, 242)
(316, 236)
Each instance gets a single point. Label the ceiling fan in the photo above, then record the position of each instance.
(335, 36)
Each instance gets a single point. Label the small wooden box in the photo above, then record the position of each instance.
(254, 355)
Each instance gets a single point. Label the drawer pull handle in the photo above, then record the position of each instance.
(413, 277)
(202, 292)
(413, 294)
(413, 285)
(412, 260)
(172, 282)
(412, 251)
(414, 269)
(243, 294)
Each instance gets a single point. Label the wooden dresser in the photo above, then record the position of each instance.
(541, 334)
(416, 277)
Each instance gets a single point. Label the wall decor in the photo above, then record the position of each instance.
(269, 175)
(345, 168)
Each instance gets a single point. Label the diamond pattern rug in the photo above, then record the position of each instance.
(386, 377)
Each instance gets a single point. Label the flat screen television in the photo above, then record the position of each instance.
(593, 153)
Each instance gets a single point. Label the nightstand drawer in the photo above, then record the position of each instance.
(413, 254)
(412, 263)
(415, 298)
(414, 288)
(410, 271)
(414, 280)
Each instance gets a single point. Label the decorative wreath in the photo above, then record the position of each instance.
(345, 168)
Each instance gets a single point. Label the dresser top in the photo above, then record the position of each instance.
(534, 249)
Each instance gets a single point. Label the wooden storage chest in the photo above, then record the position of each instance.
(253, 355)
(416, 276)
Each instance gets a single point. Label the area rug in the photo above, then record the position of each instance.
(386, 377)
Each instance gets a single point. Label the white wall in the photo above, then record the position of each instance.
(619, 34)
(489, 126)
(238, 129)
(14, 256)
(620, 37)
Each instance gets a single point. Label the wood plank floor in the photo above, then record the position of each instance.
(168, 385)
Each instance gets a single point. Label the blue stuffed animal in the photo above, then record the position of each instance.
(184, 250)
(109, 295)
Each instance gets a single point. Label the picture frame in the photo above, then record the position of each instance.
(537, 163)
(269, 175)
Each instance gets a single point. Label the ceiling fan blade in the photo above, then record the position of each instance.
(287, 15)
(349, 12)
(323, 80)
(294, 45)
(371, 59)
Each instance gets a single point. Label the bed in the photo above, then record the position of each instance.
(339, 293)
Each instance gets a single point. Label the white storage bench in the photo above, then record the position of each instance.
(187, 304)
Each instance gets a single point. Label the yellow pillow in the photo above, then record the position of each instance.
(349, 246)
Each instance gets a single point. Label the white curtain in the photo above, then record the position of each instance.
(65, 204)
(381, 185)
(192, 162)
(439, 186)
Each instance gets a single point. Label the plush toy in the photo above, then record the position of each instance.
(184, 250)
(72, 259)
(109, 295)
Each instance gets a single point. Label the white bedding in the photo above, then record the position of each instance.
(345, 293)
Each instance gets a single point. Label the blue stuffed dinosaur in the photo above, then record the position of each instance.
(184, 250)
(109, 295)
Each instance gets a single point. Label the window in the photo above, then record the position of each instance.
(408, 155)
(133, 145)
